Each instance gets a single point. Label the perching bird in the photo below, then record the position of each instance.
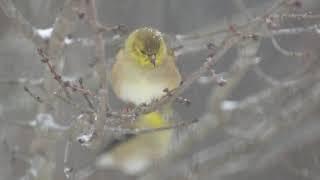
(143, 69)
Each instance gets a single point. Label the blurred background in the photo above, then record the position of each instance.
(295, 156)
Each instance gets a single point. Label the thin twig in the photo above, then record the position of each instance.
(72, 104)
(56, 76)
(86, 95)
(138, 131)
(36, 97)
(296, 30)
(180, 99)
(270, 80)
(303, 16)
(285, 52)
(68, 171)
(63, 26)
(102, 67)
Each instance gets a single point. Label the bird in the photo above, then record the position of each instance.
(144, 68)
(144, 71)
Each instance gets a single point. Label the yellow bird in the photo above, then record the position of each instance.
(143, 69)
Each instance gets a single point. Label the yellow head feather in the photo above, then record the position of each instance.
(145, 43)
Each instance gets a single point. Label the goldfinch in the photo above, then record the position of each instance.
(143, 69)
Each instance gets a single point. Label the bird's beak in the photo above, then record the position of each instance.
(153, 59)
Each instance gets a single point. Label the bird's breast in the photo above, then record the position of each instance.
(141, 91)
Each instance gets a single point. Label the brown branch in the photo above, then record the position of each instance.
(303, 16)
(86, 95)
(270, 80)
(138, 131)
(37, 98)
(296, 30)
(75, 106)
(99, 46)
(56, 76)
(283, 51)
(183, 101)
(63, 26)
(101, 66)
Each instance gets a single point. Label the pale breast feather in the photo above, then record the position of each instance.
(142, 91)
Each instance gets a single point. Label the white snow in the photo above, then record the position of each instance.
(229, 105)
(45, 33)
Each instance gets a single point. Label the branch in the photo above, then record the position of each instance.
(139, 131)
(56, 76)
(297, 30)
(63, 26)
(102, 67)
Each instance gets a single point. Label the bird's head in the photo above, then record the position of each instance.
(147, 47)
